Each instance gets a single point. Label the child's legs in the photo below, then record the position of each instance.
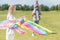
(36, 21)
(7, 37)
(10, 36)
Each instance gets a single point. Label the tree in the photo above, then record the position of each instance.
(25, 8)
(44, 7)
(31, 7)
(18, 7)
(0, 8)
(5, 7)
(59, 7)
(56, 7)
(53, 8)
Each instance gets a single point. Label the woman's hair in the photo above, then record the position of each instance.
(11, 9)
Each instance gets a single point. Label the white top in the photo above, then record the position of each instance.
(10, 17)
(36, 16)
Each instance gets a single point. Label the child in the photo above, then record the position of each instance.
(36, 14)
(36, 4)
(10, 32)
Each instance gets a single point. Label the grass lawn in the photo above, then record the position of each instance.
(49, 19)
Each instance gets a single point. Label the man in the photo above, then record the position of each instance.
(36, 14)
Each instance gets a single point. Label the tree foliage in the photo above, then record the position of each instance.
(30, 8)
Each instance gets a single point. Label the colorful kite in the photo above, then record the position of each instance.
(14, 24)
(34, 27)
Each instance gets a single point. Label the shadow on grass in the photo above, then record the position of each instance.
(52, 33)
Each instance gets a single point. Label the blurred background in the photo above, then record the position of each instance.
(50, 18)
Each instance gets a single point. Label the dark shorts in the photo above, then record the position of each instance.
(36, 21)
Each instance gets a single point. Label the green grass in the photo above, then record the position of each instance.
(49, 19)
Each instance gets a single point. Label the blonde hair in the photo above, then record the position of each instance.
(12, 9)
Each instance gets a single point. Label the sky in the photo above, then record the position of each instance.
(30, 2)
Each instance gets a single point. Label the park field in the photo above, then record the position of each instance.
(49, 19)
